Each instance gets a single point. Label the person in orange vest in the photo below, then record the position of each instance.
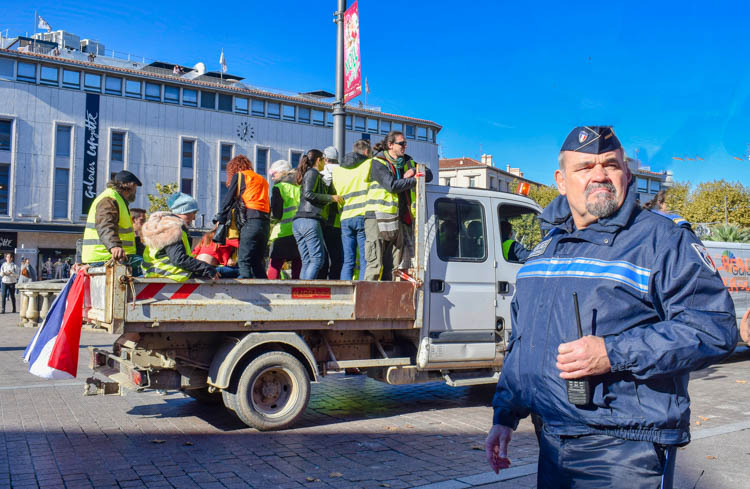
(252, 190)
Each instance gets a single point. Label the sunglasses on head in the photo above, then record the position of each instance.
(401, 143)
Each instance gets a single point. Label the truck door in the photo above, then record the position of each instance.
(517, 232)
(461, 278)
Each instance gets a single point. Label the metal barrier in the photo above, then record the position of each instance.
(36, 299)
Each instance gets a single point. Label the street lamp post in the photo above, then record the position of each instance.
(339, 114)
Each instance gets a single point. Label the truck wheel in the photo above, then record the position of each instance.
(230, 400)
(203, 396)
(272, 392)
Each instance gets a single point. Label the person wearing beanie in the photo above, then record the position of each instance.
(284, 203)
(168, 252)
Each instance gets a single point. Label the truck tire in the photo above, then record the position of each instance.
(272, 392)
(203, 396)
(230, 400)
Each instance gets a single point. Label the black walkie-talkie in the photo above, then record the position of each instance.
(578, 389)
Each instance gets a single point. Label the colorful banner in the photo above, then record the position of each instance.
(352, 71)
(90, 151)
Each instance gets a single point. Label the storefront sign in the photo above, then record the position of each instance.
(91, 151)
(8, 241)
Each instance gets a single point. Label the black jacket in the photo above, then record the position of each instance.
(314, 195)
(353, 160)
(180, 259)
(392, 183)
(277, 201)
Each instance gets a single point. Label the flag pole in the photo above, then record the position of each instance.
(33, 42)
(339, 110)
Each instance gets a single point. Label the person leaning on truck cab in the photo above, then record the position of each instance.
(109, 227)
(252, 190)
(652, 308)
(168, 252)
(389, 223)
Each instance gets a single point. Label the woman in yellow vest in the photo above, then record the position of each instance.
(284, 203)
(109, 228)
(168, 252)
(251, 189)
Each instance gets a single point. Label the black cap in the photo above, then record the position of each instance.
(591, 139)
(125, 176)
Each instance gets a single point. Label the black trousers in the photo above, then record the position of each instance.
(252, 252)
(8, 290)
(335, 257)
(597, 461)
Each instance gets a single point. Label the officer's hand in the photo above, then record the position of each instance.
(745, 327)
(409, 173)
(582, 358)
(496, 447)
(117, 253)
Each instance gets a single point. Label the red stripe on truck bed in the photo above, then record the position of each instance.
(149, 292)
(184, 291)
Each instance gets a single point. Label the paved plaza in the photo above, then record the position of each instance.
(356, 433)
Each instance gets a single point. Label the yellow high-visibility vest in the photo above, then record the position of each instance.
(93, 249)
(161, 267)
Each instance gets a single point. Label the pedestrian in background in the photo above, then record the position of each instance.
(331, 222)
(284, 203)
(352, 182)
(308, 223)
(251, 190)
(9, 273)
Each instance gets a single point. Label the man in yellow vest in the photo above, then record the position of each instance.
(168, 252)
(284, 203)
(513, 251)
(109, 228)
(352, 182)
(389, 223)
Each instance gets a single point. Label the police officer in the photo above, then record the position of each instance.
(109, 228)
(168, 253)
(652, 309)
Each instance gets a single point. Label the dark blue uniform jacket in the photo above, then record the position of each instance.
(649, 289)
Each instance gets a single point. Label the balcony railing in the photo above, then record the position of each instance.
(36, 300)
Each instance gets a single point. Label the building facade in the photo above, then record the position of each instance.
(648, 183)
(468, 172)
(70, 117)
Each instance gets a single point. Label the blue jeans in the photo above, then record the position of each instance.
(312, 248)
(353, 238)
(228, 272)
(8, 290)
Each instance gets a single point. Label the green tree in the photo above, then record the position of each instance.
(677, 199)
(730, 233)
(707, 203)
(158, 202)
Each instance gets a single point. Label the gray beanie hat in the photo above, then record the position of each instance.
(331, 153)
(180, 203)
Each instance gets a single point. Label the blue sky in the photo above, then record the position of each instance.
(507, 78)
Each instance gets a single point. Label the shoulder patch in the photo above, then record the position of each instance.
(704, 256)
(540, 248)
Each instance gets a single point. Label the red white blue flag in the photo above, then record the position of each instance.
(53, 353)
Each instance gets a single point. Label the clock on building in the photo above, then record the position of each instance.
(245, 131)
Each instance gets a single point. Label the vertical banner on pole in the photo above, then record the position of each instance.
(352, 71)
(91, 151)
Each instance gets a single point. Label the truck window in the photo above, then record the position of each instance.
(519, 224)
(462, 233)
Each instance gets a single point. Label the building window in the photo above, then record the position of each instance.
(422, 133)
(372, 126)
(492, 183)
(274, 110)
(288, 113)
(225, 102)
(304, 115)
(642, 185)
(189, 97)
(49, 75)
(7, 68)
(294, 158)
(409, 131)
(62, 141)
(259, 107)
(359, 123)
(472, 182)
(4, 182)
(431, 136)
(60, 202)
(133, 88)
(117, 149)
(397, 126)
(240, 105)
(171, 94)
(655, 186)
(261, 161)
(188, 153)
(5, 131)
(329, 119)
(385, 127)
(71, 79)
(462, 234)
(26, 72)
(153, 91)
(92, 82)
(113, 85)
(349, 122)
(225, 155)
(186, 186)
(317, 117)
(208, 100)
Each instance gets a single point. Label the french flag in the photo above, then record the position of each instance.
(53, 353)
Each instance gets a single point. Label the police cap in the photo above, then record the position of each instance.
(591, 139)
